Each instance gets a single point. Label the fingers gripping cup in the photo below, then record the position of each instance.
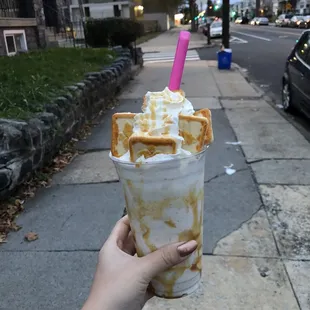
(159, 155)
(164, 202)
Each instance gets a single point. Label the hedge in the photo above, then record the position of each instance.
(112, 31)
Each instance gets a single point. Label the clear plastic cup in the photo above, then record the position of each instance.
(165, 202)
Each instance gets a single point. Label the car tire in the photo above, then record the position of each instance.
(287, 96)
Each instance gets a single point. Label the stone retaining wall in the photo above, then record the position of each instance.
(27, 146)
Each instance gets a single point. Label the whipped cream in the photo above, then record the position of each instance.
(161, 117)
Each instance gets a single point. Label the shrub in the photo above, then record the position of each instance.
(112, 31)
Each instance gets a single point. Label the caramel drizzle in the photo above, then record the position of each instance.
(142, 209)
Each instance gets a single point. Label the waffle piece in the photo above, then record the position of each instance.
(193, 129)
(150, 146)
(122, 128)
(209, 138)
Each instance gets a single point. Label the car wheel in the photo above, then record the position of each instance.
(286, 96)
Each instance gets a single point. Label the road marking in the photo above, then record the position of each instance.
(273, 30)
(234, 39)
(252, 36)
(282, 37)
(168, 57)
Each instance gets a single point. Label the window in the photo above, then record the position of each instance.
(303, 47)
(15, 41)
(87, 11)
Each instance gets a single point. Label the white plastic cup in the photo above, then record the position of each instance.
(165, 202)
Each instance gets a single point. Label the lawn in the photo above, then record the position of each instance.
(29, 81)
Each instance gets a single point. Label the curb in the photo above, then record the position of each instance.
(245, 74)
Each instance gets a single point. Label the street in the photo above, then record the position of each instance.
(263, 50)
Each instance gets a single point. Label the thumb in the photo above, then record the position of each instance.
(166, 257)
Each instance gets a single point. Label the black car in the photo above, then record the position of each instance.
(296, 78)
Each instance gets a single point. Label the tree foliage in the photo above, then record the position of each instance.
(167, 6)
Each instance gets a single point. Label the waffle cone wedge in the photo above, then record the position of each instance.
(150, 146)
(209, 138)
(122, 129)
(193, 129)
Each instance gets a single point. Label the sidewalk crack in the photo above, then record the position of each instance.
(223, 174)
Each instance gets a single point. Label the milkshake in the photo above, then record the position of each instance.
(159, 155)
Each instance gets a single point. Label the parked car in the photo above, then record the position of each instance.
(253, 21)
(242, 20)
(296, 21)
(296, 78)
(202, 27)
(283, 20)
(262, 21)
(307, 20)
(216, 29)
(238, 20)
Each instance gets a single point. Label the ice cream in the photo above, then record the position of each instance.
(159, 155)
(168, 128)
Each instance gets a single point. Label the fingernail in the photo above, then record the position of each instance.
(187, 248)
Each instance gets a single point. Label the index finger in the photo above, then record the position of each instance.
(121, 229)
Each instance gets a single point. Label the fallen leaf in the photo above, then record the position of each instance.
(31, 236)
(19, 202)
(2, 238)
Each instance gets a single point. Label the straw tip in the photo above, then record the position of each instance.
(185, 35)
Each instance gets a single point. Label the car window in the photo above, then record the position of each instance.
(303, 47)
(216, 25)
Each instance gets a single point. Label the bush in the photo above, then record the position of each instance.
(112, 31)
(29, 81)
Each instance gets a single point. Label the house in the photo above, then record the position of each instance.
(303, 7)
(19, 27)
(24, 24)
(100, 9)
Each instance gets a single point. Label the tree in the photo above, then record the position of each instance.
(167, 6)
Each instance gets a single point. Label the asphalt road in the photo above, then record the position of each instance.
(263, 50)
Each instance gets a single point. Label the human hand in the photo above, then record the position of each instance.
(121, 280)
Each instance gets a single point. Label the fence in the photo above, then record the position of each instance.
(69, 34)
(61, 30)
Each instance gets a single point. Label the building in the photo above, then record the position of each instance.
(100, 9)
(303, 7)
(20, 26)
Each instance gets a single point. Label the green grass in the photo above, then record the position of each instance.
(29, 81)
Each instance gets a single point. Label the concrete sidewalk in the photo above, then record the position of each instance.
(256, 221)
(167, 41)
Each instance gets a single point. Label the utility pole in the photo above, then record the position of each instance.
(257, 8)
(225, 13)
(192, 6)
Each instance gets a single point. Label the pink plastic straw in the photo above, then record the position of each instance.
(179, 61)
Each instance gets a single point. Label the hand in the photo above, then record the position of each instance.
(122, 279)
